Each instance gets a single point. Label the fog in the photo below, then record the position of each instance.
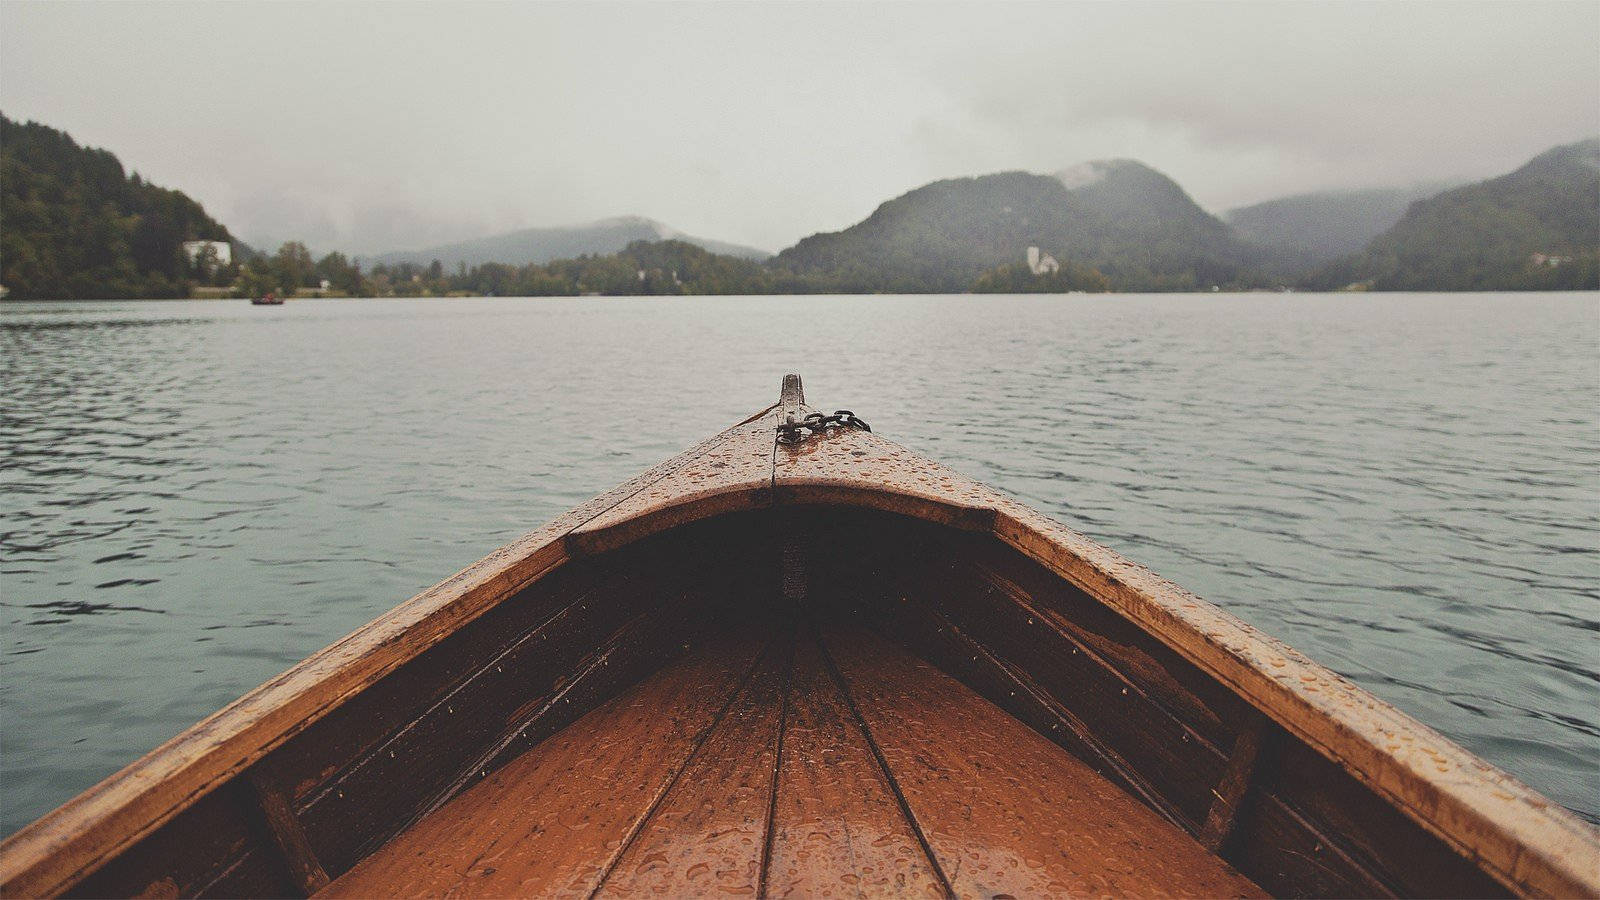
(380, 127)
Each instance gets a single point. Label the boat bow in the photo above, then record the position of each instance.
(1526, 843)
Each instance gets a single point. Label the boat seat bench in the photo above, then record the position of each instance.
(795, 762)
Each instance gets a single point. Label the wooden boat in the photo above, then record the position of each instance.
(266, 300)
(799, 659)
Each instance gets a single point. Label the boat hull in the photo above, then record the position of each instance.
(1285, 774)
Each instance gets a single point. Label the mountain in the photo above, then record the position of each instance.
(1537, 228)
(76, 225)
(1302, 232)
(1132, 223)
(541, 245)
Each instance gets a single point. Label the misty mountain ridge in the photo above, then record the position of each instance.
(77, 225)
(1537, 228)
(1303, 231)
(1121, 217)
(541, 245)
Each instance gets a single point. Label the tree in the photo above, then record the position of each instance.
(205, 264)
(258, 278)
(342, 274)
(1017, 278)
(77, 225)
(294, 266)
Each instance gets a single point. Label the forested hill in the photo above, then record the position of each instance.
(542, 245)
(1537, 228)
(1302, 232)
(73, 224)
(1126, 220)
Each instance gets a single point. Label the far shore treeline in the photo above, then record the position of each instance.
(75, 225)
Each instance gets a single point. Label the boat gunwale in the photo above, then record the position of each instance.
(1522, 839)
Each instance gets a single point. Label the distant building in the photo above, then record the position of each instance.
(1543, 259)
(1042, 263)
(224, 251)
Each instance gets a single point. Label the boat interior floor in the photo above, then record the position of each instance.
(794, 759)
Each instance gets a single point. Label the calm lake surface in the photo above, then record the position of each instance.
(197, 495)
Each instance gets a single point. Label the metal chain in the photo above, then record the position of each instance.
(794, 432)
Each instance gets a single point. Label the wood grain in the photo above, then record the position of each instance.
(837, 829)
(551, 821)
(287, 834)
(708, 834)
(731, 475)
(1229, 792)
(1006, 811)
(887, 572)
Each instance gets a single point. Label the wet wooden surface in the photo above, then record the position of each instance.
(708, 833)
(733, 474)
(1144, 682)
(277, 814)
(837, 830)
(552, 821)
(1006, 811)
(829, 770)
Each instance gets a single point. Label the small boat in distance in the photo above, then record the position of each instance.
(797, 659)
(267, 299)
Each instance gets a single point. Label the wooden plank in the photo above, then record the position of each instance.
(1163, 754)
(365, 802)
(1270, 845)
(792, 395)
(935, 639)
(218, 836)
(837, 830)
(1373, 833)
(451, 743)
(287, 835)
(1004, 810)
(1187, 693)
(551, 820)
(895, 572)
(731, 475)
(708, 834)
(883, 593)
(1230, 791)
(859, 469)
(326, 751)
(369, 810)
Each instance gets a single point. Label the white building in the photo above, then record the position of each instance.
(1042, 263)
(224, 250)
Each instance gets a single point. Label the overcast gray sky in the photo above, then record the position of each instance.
(388, 126)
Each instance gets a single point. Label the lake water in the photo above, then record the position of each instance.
(197, 495)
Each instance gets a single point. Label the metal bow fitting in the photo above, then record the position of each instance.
(794, 432)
